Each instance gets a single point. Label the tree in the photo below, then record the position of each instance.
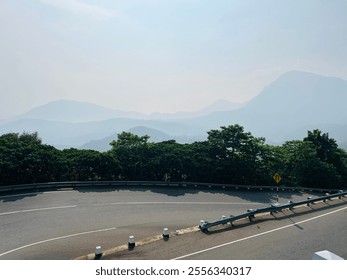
(24, 159)
(167, 161)
(328, 151)
(89, 165)
(131, 151)
(326, 148)
(235, 154)
(303, 167)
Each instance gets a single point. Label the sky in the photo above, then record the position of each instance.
(162, 55)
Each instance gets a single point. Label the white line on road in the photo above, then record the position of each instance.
(56, 238)
(130, 203)
(181, 202)
(259, 234)
(37, 209)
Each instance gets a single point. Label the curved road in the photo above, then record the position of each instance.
(68, 223)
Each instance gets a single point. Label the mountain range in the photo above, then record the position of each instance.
(288, 107)
(284, 110)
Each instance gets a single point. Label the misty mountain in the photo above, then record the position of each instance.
(75, 111)
(104, 143)
(288, 107)
(219, 105)
(154, 134)
(284, 110)
(65, 134)
(101, 145)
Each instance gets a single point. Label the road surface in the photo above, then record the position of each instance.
(70, 223)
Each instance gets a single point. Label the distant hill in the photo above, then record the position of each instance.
(104, 144)
(75, 111)
(284, 110)
(64, 134)
(288, 107)
(219, 105)
(101, 145)
(155, 135)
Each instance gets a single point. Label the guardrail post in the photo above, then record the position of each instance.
(231, 223)
(291, 207)
(250, 217)
(326, 194)
(308, 203)
(340, 191)
(274, 205)
(202, 226)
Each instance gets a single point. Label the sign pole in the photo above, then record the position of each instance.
(277, 177)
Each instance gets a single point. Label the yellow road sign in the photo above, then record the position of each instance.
(277, 177)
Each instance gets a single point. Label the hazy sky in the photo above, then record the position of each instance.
(162, 55)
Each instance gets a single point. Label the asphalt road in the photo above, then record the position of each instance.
(286, 235)
(293, 238)
(66, 224)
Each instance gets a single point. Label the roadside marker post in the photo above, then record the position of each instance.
(166, 234)
(277, 177)
(131, 242)
(98, 252)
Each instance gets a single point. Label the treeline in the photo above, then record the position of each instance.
(229, 155)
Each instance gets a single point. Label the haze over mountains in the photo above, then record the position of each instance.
(288, 107)
(284, 110)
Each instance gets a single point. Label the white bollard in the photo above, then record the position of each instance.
(98, 251)
(166, 234)
(131, 242)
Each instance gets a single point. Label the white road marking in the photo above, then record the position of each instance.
(181, 202)
(259, 234)
(128, 203)
(37, 209)
(56, 238)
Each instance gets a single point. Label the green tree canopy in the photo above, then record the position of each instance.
(131, 151)
(235, 153)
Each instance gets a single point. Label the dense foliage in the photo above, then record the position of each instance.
(229, 155)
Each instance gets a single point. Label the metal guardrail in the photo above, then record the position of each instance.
(87, 184)
(204, 226)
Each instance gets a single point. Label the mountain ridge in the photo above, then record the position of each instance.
(290, 101)
(284, 110)
(76, 111)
